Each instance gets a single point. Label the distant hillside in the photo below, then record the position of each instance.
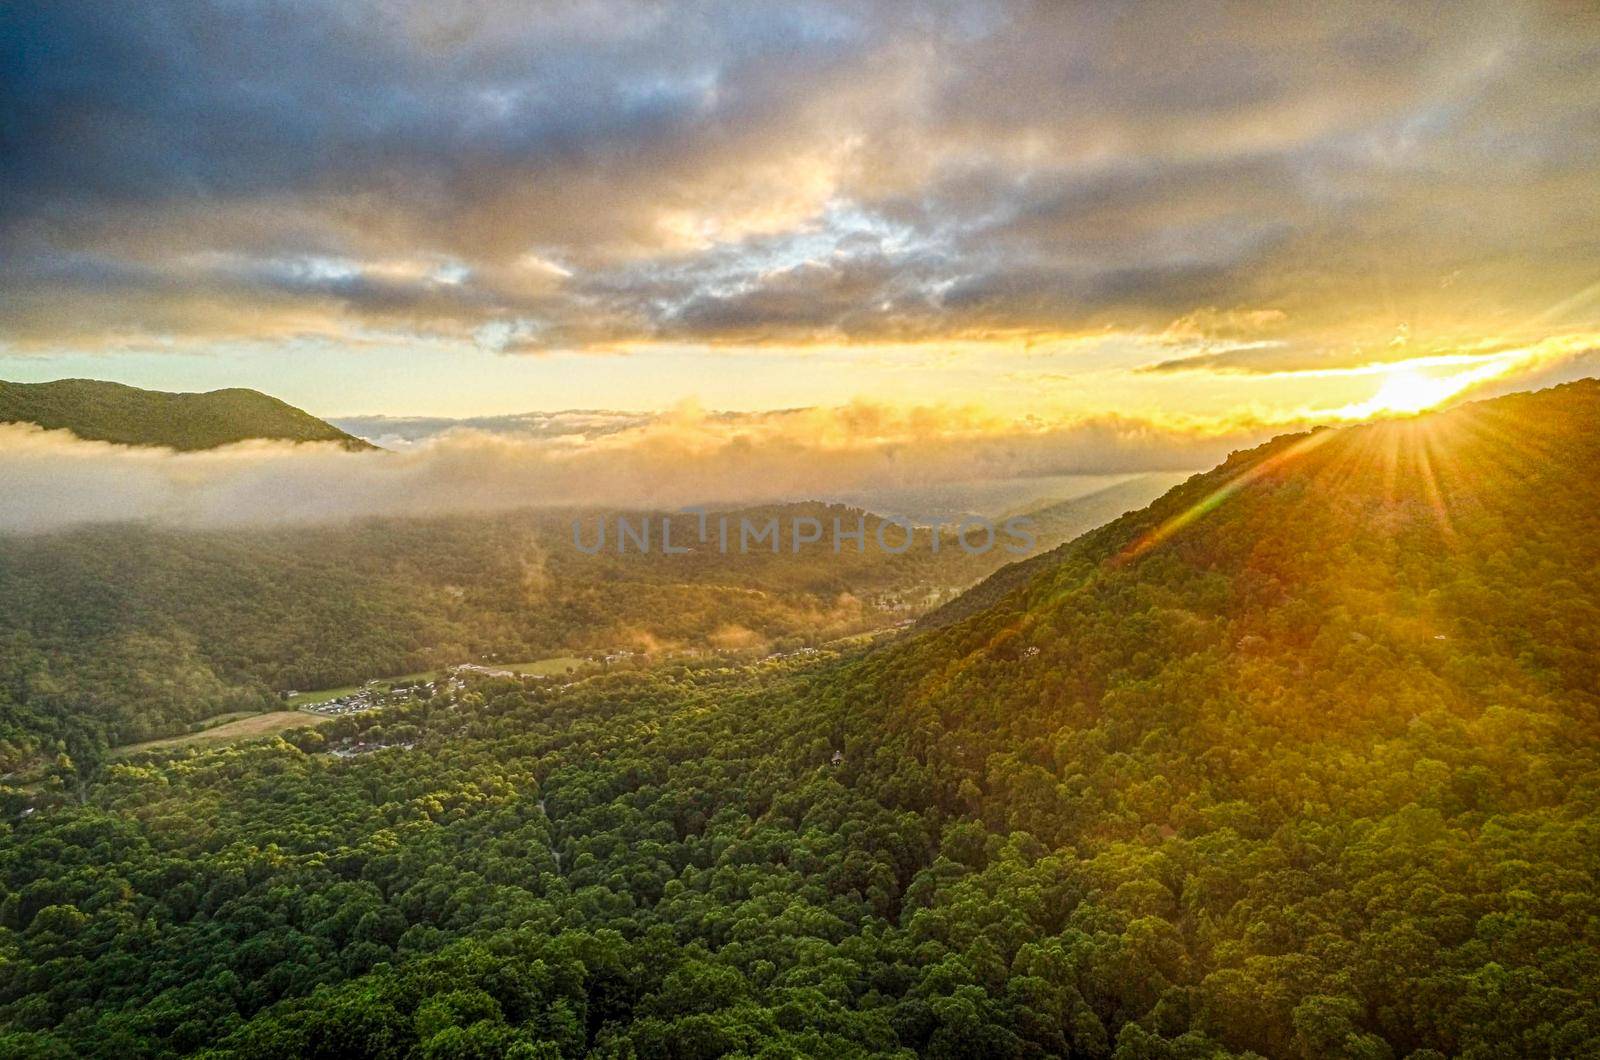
(1055, 526)
(112, 412)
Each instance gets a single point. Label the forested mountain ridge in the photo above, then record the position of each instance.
(1410, 529)
(1301, 761)
(1325, 721)
(111, 412)
(118, 633)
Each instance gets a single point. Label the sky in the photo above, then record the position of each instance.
(1213, 219)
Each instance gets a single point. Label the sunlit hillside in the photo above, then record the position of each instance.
(664, 530)
(1298, 761)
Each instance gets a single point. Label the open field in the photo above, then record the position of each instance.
(308, 699)
(222, 719)
(241, 728)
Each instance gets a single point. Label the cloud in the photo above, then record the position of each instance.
(1525, 365)
(53, 479)
(575, 426)
(603, 174)
(1238, 325)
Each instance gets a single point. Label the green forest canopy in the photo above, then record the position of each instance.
(1302, 760)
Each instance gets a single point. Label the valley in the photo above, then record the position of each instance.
(120, 633)
(1204, 785)
(799, 530)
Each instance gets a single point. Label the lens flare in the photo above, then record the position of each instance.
(1407, 391)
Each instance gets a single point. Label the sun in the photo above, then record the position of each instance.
(1405, 390)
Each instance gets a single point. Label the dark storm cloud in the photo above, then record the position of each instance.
(175, 98)
(588, 175)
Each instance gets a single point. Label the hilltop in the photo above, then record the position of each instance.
(127, 415)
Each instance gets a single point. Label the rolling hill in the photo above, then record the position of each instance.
(1302, 760)
(112, 412)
